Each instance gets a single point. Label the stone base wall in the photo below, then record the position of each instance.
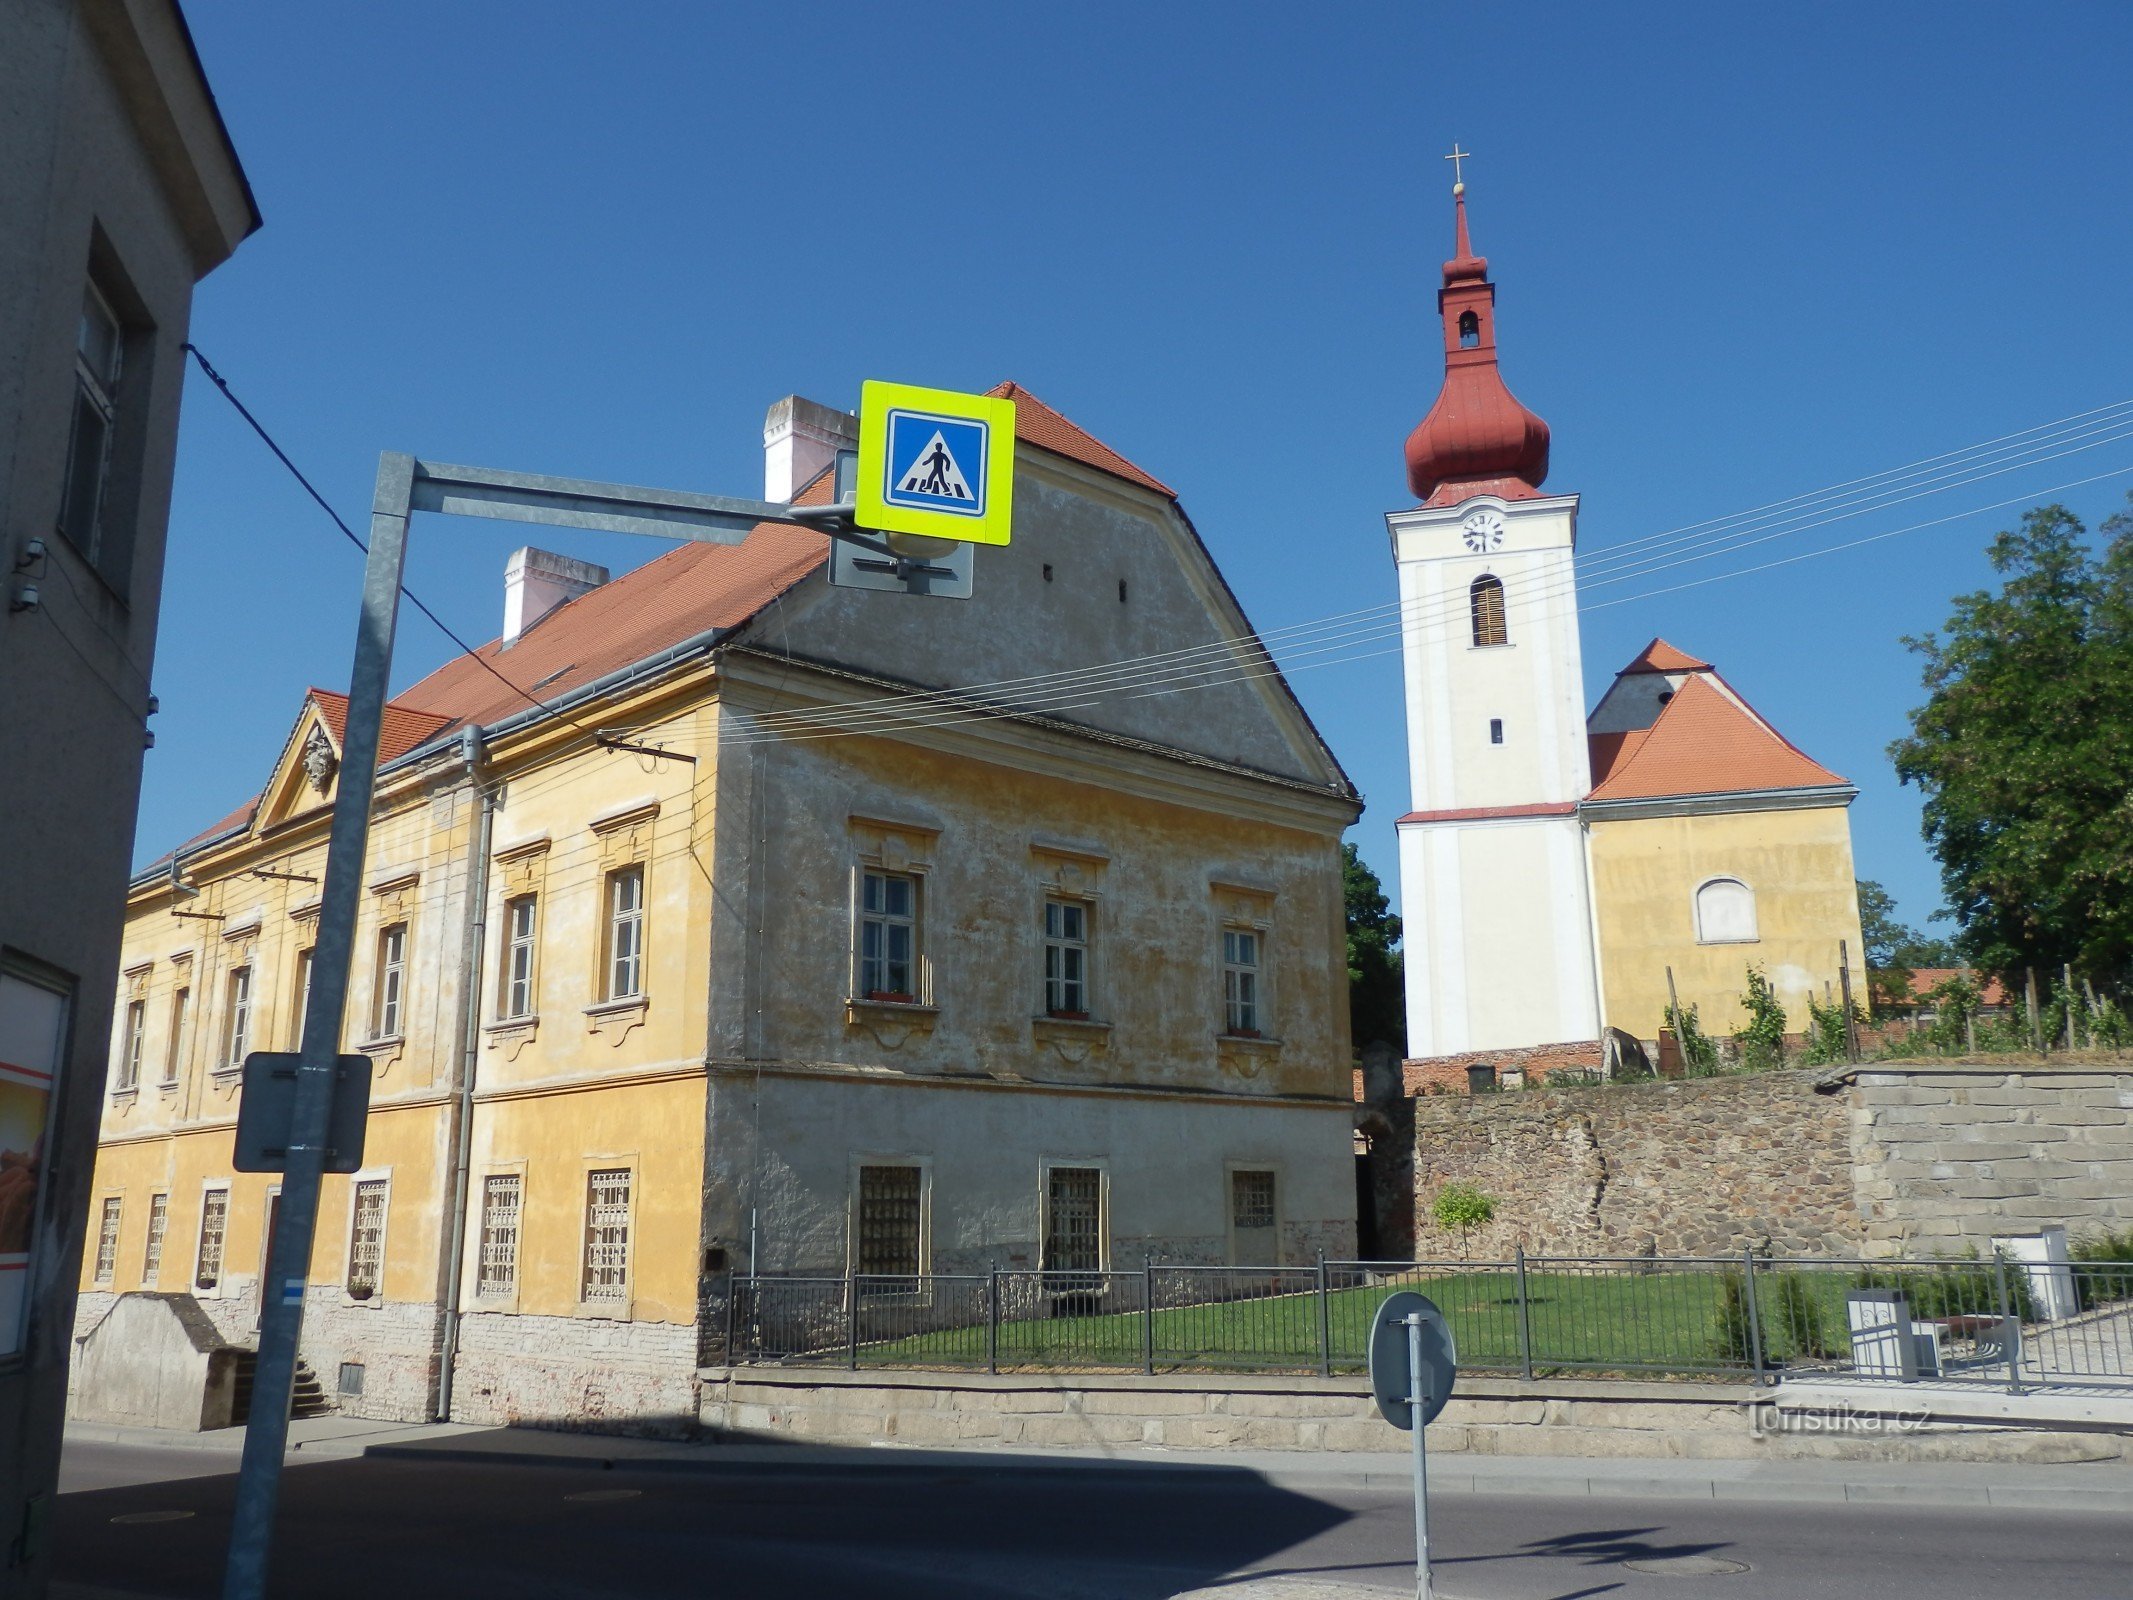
(1532, 1064)
(1206, 1412)
(395, 1343)
(593, 1373)
(1704, 1166)
(1953, 1153)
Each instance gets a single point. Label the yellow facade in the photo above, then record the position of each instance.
(1646, 872)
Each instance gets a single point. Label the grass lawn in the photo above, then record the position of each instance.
(1660, 1321)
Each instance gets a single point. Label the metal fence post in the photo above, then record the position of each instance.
(851, 1321)
(733, 1294)
(992, 1317)
(1325, 1323)
(1525, 1316)
(1147, 1316)
(1755, 1321)
(2010, 1326)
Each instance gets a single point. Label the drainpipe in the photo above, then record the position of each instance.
(474, 756)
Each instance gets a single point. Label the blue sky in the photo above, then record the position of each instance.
(1742, 253)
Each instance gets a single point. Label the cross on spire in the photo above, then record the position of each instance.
(1458, 173)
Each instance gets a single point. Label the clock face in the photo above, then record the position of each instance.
(1484, 530)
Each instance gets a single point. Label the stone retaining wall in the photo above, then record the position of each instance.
(1214, 1412)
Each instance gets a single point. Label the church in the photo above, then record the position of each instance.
(1564, 874)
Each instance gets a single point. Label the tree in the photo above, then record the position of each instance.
(2024, 749)
(1377, 1001)
(1462, 1206)
(1894, 950)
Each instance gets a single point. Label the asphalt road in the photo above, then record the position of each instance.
(399, 1528)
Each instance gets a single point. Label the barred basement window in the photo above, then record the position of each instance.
(1251, 1199)
(607, 1235)
(366, 1239)
(158, 1225)
(1073, 1230)
(214, 1224)
(891, 1201)
(500, 1196)
(107, 1240)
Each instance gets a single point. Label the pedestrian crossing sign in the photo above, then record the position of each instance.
(935, 462)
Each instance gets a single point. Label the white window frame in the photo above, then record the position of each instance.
(237, 1016)
(1754, 934)
(388, 1013)
(1060, 948)
(82, 527)
(378, 1182)
(110, 1223)
(133, 1038)
(499, 1299)
(155, 1240)
(217, 1288)
(615, 1304)
(518, 971)
(622, 949)
(912, 921)
(302, 997)
(181, 1006)
(1238, 975)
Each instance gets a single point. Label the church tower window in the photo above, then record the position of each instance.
(1486, 597)
(1469, 330)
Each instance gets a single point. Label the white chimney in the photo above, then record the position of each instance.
(537, 581)
(800, 438)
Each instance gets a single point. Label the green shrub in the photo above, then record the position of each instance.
(1699, 1051)
(1828, 1036)
(2103, 1267)
(1956, 1288)
(1802, 1328)
(1462, 1206)
(1762, 1040)
(1735, 1338)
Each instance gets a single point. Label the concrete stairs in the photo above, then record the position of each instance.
(307, 1399)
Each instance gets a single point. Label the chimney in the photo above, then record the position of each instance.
(537, 581)
(800, 438)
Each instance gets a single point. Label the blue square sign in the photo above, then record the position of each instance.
(935, 463)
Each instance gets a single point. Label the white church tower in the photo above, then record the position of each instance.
(1495, 892)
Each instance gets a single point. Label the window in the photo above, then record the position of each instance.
(607, 1235)
(888, 936)
(158, 1225)
(1240, 982)
(390, 983)
(891, 1203)
(214, 1225)
(1253, 1240)
(1495, 730)
(501, 1193)
(625, 933)
(1073, 1219)
(366, 1239)
(1469, 330)
(515, 998)
(129, 1072)
(1725, 912)
(107, 1240)
(99, 348)
(181, 1016)
(237, 1028)
(303, 997)
(1066, 959)
(1486, 598)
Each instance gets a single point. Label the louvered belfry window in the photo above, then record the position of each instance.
(1487, 597)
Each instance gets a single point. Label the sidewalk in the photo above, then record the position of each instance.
(2089, 1487)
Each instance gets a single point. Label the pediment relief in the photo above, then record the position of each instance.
(307, 776)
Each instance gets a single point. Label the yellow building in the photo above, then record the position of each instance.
(760, 942)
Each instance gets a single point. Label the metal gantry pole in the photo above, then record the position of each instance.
(289, 1251)
(1418, 1402)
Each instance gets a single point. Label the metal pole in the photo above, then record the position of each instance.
(1325, 1323)
(733, 1294)
(1147, 1316)
(289, 1253)
(1417, 1401)
(992, 1317)
(1525, 1317)
(1851, 1023)
(1755, 1322)
(851, 1320)
(2010, 1326)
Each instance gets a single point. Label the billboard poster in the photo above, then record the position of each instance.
(33, 1026)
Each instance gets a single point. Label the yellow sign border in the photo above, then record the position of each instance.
(996, 416)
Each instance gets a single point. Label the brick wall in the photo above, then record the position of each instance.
(1704, 1166)
(1533, 1063)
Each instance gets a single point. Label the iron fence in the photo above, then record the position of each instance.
(2020, 1324)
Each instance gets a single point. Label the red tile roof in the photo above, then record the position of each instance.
(1925, 979)
(400, 732)
(1702, 743)
(1038, 424)
(1659, 656)
(1610, 750)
